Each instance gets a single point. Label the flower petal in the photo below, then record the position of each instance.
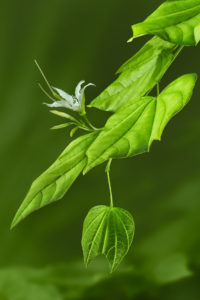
(82, 91)
(61, 103)
(89, 84)
(64, 95)
(78, 89)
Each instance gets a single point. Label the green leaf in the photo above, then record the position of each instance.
(108, 231)
(60, 126)
(131, 130)
(172, 99)
(176, 21)
(73, 131)
(56, 180)
(138, 75)
(63, 115)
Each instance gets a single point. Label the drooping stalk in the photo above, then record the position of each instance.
(109, 181)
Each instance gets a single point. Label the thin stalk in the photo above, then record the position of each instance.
(85, 128)
(85, 118)
(42, 73)
(180, 48)
(109, 182)
(45, 92)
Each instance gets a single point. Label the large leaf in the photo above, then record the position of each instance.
(176, 21)
(55, 181)
(138, 75)
(131, 130)
(108, 231)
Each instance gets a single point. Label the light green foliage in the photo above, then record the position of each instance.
(131, 130)
(174, 21)
(108, 231)
(63, 115)
(172, 99)
(138, 75)
(61, 126)
(137, 121)
(55, 181)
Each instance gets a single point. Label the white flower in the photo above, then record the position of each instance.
(73, 102)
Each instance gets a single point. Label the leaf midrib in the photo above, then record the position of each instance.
(40, 191)
(90, 224)
(95, 235)
(127, 236)
(124, 133)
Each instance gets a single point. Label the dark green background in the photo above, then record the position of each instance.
(42, 259)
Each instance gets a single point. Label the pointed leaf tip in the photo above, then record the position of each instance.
(51, 185)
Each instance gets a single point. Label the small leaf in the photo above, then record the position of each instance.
(56, 180)
(108, 231)
(172, 99)
(63, 115)
(175, 21)
(62, 125)
(73, 131)
(138, 75)
(132, 129)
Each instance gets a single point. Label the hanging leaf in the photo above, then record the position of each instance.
(138, 75)
(108, 231)
(131, 130)
(174, 21)
(55, 181)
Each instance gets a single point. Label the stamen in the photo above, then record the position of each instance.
(45, 92)
(42, 73)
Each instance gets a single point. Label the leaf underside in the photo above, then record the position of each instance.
(55, 181)
(131, 130)
(108, 231)
(176, 21)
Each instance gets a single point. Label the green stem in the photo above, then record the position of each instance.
(109, 182)
(85, 118)
(45, 92)
(85, 128)
(180, 48)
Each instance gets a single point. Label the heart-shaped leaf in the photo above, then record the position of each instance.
(108, 231)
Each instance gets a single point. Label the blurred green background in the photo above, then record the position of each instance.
(42, 259)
